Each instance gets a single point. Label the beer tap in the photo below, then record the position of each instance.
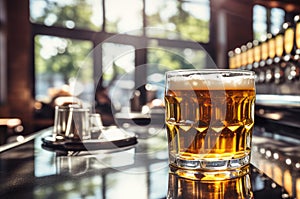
(250, 56)
(295, 68)
(244, 60)
(257, 57)
(278, 70)
(238, 60)
(263, 61)
(271, 55)
(231, 57)
(289, 52)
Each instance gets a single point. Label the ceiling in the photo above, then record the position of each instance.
(287, 5)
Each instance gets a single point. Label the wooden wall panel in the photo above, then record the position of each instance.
(232, 21)
(19, 76)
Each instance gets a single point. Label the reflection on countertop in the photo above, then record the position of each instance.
(141, 171)
(278, 157)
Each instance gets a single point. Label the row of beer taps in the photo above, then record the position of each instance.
(275, 59)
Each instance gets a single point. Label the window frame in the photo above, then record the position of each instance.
(3, 67)
(98, 37)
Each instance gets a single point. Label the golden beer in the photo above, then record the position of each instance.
(209, 118)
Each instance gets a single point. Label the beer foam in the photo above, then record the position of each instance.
(210, 81)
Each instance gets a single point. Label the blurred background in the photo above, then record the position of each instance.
(113, 54)
(46, 45)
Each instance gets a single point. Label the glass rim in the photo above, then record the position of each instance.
(209, 71)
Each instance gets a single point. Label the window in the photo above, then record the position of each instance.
(118, 72)
(277, 19)
(189, 17)
(100, 41)
(266, 20)
(123, 18)
(71, 14)
(57, 61)
(162, 59)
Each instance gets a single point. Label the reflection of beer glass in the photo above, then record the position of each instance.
(209, 120)
(182, 188)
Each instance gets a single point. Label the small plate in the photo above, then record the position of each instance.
(109, 139)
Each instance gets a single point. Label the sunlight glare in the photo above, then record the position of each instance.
(127, 14)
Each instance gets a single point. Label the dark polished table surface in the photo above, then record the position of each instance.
(138, 171)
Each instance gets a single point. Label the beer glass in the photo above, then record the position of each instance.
(95, 125)
(60, 121)
(78, 124)
(71, 122)
(209, 120)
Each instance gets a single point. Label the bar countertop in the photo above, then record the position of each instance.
(137, 171)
